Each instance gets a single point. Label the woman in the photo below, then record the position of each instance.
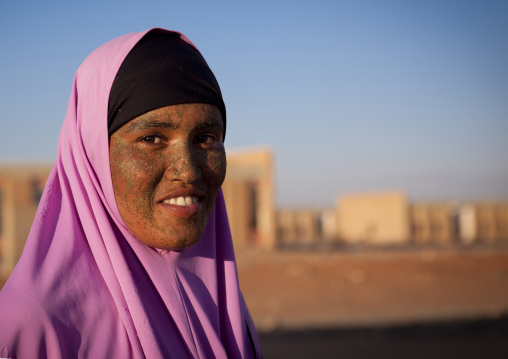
(130, 253)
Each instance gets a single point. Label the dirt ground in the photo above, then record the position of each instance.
(393, 304)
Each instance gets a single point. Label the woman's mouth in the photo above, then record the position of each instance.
(181, 201)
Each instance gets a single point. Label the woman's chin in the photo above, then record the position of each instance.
(175, 245)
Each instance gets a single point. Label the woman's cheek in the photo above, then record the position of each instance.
(137, 175)
(216, 163)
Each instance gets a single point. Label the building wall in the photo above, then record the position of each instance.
(21, 188)
(373, 218)
(502, 221)
(467, 226)
(328, 220)
(433, 223)
(301, 226)
(485, 222)
(287, 232)
(250, 197)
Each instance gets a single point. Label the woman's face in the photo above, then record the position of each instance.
(167, 167)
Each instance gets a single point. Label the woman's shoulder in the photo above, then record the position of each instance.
(56, 326)
(26, 329)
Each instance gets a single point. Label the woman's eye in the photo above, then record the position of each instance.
(207, 139)
(152, 139)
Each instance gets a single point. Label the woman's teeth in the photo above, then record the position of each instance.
(182, 201)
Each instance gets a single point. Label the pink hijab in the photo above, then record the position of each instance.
(85, 287)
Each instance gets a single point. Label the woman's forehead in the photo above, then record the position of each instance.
(183, 116)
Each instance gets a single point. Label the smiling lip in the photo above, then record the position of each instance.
(183, 202)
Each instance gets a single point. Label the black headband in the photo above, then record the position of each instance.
(161, 70)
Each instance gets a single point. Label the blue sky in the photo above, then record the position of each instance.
(353, 95)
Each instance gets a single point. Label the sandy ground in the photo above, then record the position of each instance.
(289, 290)
(398, 304)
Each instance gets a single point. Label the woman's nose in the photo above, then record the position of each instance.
(182, 166)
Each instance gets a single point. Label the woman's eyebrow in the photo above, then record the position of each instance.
(148, 124)
(208, 124)
(210, 120)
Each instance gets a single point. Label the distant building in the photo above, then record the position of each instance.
(434, 223)
(373, 218)
(298, 226)
(301, 227)
(469, 223)
(249, 192)
(485, 222)
(388, 218)
(20, 191)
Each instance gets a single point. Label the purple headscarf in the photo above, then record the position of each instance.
(85, 287)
